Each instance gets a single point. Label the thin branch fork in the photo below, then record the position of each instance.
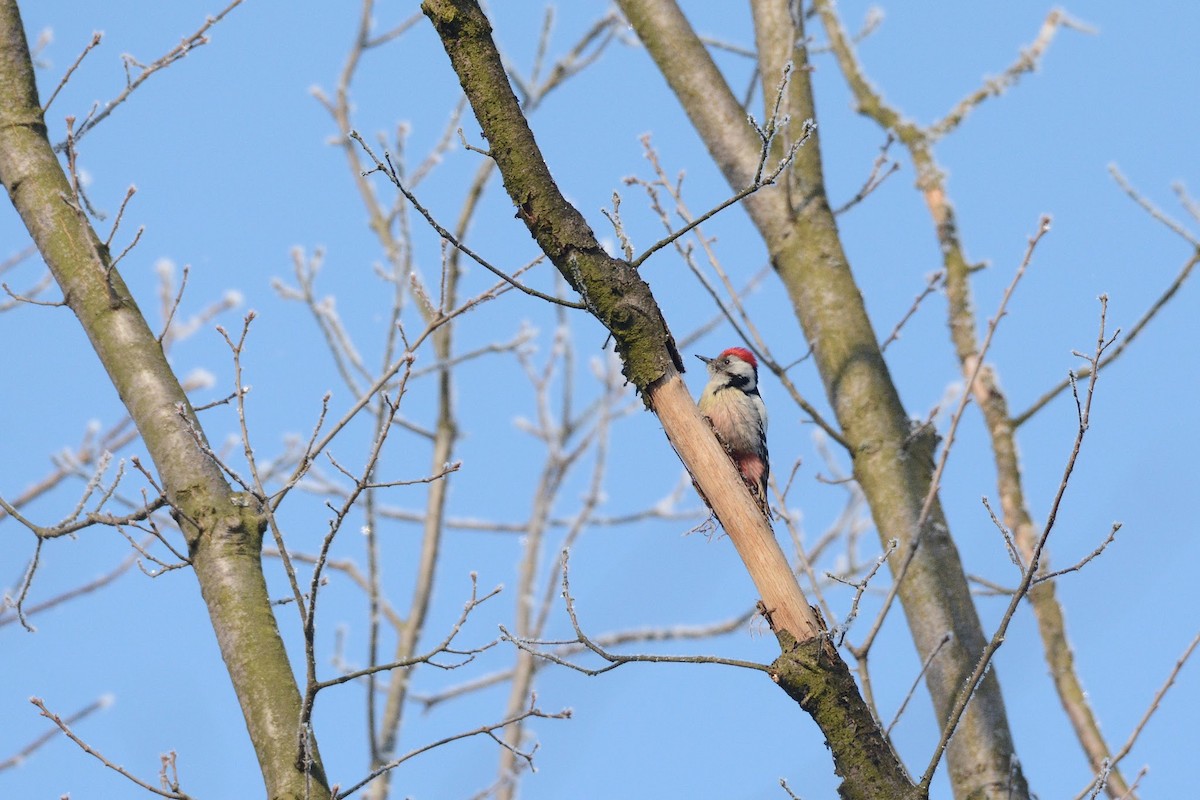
(484, 730)
(170, 787)
(1026, 62)
(935, 481)
(403, 362)
(1030, 571)
(185, 46)
(49, 735)
(605, 641)
(88, 520)
(385, 167)
(1159, 303)
(759, 182)
(1141, 725)
(468, 655)
(535, 647)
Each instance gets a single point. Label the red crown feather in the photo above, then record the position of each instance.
(743, 354)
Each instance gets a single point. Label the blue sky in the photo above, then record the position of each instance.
(234, 169)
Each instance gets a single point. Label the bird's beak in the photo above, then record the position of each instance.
(705, 359)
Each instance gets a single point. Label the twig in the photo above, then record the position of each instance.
(71, 594)
(390, 173)
(96, 37)
(917, 682)
(860, 588)
(1137, 328)
(394, 33)
(483, 730)
(1014, 555)
(874, 180)
(29, 298)
(994, 87)
(614, 659)
(614, 217)
(1186, 200)
(1151, 208)
(441, 647)
(72, 526)
(132, 83)
(19, 758)
(1112, 535)
(169, 316)
(172, 791)
(617, 638)
(758, 183)
(129, 193)
(783, 785)
(931, 285)
(1153, 707)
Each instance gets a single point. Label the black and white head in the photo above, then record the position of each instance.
(736, 367)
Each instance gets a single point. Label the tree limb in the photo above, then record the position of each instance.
(223, 528)
(810, 669)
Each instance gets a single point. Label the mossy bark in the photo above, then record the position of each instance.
(611, 288)
(814, 675)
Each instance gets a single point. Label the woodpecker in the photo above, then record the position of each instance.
(732, 405)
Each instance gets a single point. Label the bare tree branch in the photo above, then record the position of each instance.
(167, 789)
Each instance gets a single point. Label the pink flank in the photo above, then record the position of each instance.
(752, 467)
